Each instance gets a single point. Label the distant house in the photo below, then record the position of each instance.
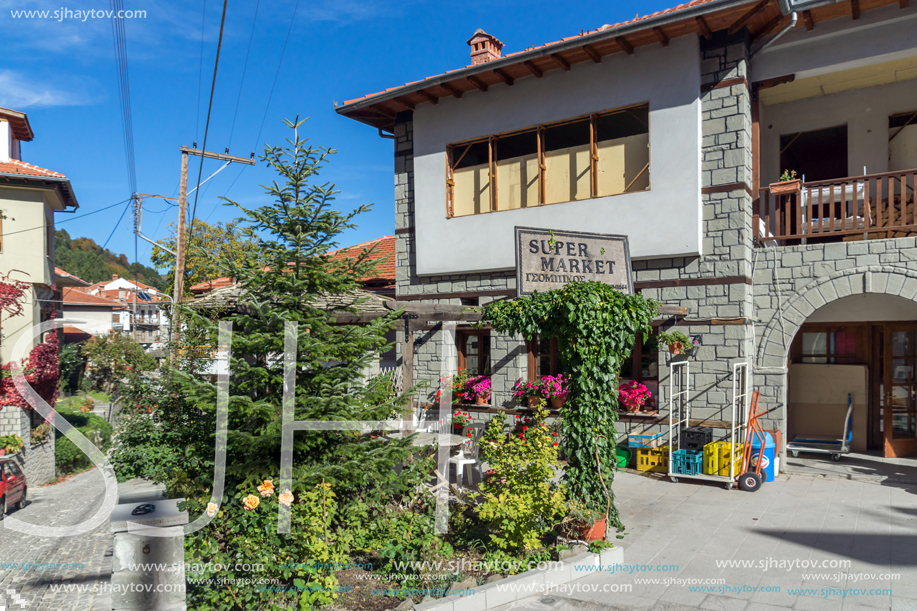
(142, 317)
(102, 315)
(29, 197)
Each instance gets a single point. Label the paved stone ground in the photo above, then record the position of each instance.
(66, 503)
(797, 517)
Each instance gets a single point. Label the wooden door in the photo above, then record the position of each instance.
(899, 396)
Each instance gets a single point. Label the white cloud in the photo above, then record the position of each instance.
(19, 92)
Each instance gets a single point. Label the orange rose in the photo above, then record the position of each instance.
(211, 509)
(266, 488)
(251, 502)
(285, 498)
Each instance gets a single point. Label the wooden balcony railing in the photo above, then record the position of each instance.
(846, 209)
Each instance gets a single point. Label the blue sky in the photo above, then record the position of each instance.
(62, 73)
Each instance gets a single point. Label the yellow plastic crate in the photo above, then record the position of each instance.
(653, 459)
(716, 457)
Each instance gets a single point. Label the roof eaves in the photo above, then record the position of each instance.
(61, 183)
(542, 51)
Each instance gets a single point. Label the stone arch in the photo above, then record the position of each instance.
(878, 279)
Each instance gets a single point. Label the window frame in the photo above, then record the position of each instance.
(539, 129)
(461, 340)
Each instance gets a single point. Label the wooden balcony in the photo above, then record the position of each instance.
(869, 207)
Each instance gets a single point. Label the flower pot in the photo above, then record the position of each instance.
(3, 452)
(787, 187)
(532, 402)
(458, 428)
(557, 402)
(480, 401)
(676, 348)
(593, 532)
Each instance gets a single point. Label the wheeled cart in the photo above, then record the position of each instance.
(680, 418)
(819, 445)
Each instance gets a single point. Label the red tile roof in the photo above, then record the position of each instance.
(209, 285)
(76, 297)
(383, 255)
(652, 16)
(58, 271)
(21, 168)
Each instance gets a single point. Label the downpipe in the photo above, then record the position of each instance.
(794, 17)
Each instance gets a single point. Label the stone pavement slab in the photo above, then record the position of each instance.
(695, 545)
(63, 504)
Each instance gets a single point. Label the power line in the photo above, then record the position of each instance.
(212, 210)
(244, 69)
(200, 74)
(127, 124)
(213, 85)
(276, 74)
(72, 218)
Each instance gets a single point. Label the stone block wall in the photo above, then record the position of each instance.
(37, 461)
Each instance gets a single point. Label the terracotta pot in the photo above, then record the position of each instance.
(676, 349)
(633, 408)
(3, 452)
(786, 187)
(593, 532)
(480, 401)
(557, 403)
(532, 402)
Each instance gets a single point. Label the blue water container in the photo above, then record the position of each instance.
(770, 450)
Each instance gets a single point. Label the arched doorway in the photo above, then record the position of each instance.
(851, 332)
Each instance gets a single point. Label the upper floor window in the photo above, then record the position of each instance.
(596, 155)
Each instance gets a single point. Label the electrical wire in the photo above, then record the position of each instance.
(217, 204)
(244, 69)
(213, 85)
(276, 74)
(200, 74)
(67, 220)
(127, 124)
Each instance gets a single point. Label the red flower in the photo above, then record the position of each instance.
(555, 443)
(554, 433)
(525, 428)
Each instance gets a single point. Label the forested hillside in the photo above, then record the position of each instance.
(84, 258)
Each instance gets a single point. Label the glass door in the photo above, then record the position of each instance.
(899, 405)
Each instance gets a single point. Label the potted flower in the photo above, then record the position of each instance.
(678, 342)
(459, 421)
(478, 390)
(457, 382)
(787, 185)
(555, 389)
(584, 523)
(527, 392)
(633, 395)
(10, 444)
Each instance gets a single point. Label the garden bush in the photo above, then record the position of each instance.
(69, 458)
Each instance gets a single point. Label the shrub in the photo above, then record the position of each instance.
(520, 501)
(69, 458)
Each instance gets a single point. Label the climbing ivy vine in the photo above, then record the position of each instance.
(596, 327)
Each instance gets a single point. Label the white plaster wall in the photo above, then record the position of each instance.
(99, 320)
(864, 111)
(664, 221)
(6, 140)
(867, 307)
(879, 35)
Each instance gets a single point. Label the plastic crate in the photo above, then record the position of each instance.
(653, 459)
(687, 462)
(716, 457)
(646, 441)
(696, 437)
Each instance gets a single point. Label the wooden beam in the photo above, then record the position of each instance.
(477, 83)
(703, 28)
(810, 20)
(773, 82)
(456, 92)
(855, 9)
(768, 28)
(405, 103)
(740, 23)
(503, 75)
(625, 46)
(429, 96)
(902, 3)
(560, 60)
(593, 54)
(661, 37)
(533, 68)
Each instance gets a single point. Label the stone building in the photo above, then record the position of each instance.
(760, 157)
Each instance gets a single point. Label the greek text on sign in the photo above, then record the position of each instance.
(548, 260)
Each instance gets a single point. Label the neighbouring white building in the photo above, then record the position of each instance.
(142, 317)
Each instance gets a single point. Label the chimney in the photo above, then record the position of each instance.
(114, 277)
(484, 47)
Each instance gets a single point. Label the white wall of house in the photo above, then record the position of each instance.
(864, 111)
(663, 221)
(98, 319)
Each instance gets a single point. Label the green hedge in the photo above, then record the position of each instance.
(69, 458)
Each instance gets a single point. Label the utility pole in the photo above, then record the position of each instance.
(179, 287)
